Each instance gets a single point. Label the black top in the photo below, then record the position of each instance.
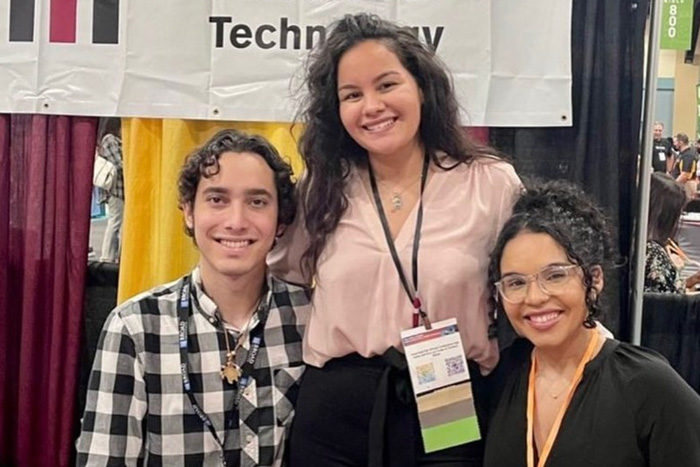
(631, 409)
(687, 162)
(660, 154)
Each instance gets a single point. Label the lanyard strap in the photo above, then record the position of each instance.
(412, 293)
(184, 311)
(592, 344)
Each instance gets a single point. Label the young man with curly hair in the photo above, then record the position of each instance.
(204, 371)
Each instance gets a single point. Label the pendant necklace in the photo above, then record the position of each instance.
(396, 195)
(553, 395)
(230, 371)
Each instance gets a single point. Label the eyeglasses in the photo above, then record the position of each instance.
(552, 281)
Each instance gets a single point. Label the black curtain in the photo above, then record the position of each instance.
(599, 152)
(101, 283)
(671, 326)
(690, 53)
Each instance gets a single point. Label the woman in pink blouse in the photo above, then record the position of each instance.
(387, 167)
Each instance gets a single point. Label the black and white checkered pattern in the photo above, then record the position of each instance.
(111, 150)
(137, 412)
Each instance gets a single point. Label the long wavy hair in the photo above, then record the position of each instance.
(327, 149)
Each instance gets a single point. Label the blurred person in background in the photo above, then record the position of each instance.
(686, 167)
(110, 148)
(662, 152)
(662, 272)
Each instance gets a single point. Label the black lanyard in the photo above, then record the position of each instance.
(412, 295)
(184, 311)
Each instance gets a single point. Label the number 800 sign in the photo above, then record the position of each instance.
(676, 24)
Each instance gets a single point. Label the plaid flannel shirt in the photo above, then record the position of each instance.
(137, 412)
(111, 150)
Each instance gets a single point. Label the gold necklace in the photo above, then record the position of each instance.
(230, 371)
(554, 395)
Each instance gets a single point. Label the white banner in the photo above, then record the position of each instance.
(242, 59)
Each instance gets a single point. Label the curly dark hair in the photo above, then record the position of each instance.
(327, 149)
(565, 213)
(204, 162)
(667, 200)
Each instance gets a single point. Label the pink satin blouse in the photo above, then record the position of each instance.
(359, 304)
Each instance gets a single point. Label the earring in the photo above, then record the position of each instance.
(593, 295)
(495, 306)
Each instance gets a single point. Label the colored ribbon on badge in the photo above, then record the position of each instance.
(442, 385)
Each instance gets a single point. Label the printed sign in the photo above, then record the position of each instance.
(243, 59)
(676, 24)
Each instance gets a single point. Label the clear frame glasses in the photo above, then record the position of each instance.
(552, 280)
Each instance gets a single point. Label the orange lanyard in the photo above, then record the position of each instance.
(592, 344)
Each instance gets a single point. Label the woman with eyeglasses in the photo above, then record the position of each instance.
(570, 397)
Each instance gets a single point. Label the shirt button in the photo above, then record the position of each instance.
(249, 439)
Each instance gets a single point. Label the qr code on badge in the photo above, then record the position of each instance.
(426, 373)
(455, 365)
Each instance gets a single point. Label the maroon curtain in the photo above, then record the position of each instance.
(45, 188)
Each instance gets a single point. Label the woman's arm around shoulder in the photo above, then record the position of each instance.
(285, 259)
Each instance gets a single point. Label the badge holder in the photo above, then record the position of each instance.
(441, 385)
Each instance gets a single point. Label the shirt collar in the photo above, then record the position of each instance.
(208, 308)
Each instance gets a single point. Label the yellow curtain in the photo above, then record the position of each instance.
(155, 248)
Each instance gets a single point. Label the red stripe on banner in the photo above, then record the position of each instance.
(63, 20)
(479, 133)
